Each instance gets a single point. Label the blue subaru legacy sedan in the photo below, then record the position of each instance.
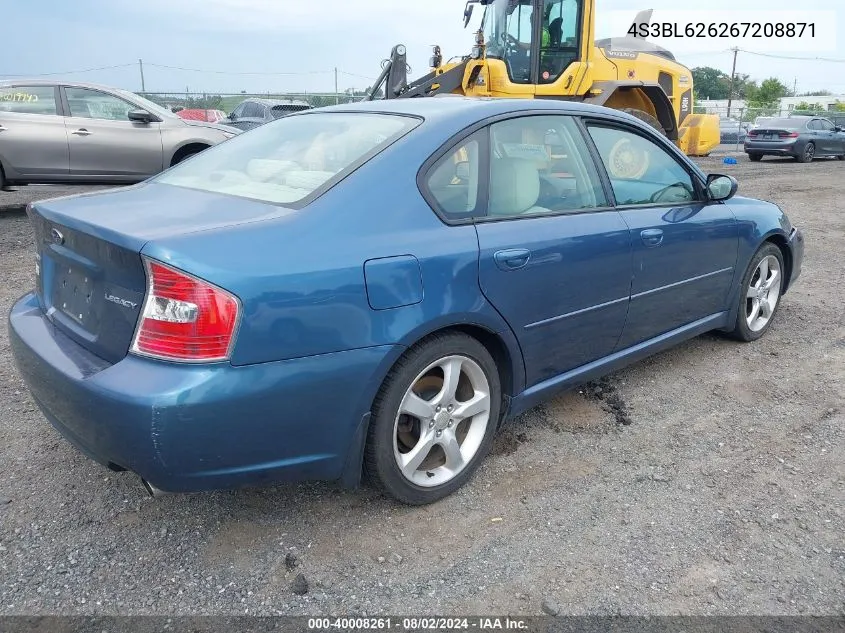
(372, 289)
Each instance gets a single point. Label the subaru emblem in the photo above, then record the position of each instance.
(58, 238)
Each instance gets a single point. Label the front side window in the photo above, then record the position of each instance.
(285, 161)
(509, 34)
(640, 171)
(28, 100)
(561, 20)
(538, 165)
(92, 104)
(825, 125)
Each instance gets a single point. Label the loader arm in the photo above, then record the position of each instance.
(394, 79)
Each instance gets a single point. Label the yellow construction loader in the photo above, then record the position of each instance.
(515, 54)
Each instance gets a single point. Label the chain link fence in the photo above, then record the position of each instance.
(227, 102)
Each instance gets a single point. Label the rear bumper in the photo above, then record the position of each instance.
(774, 148)
(188, 428)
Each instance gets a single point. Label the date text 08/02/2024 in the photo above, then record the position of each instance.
(416, 624)
(724, 30)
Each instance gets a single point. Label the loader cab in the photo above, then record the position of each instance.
(537, 39)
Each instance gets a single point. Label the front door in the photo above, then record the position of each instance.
(684, 247)
(103, 141)
(554, 260)
(33, 142)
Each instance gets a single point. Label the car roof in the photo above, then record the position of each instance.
(458, 108)
(6, 83)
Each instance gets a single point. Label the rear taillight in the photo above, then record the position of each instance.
(752, 133)
(185, 318)
(788, 134)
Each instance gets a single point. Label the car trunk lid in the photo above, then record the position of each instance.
(91, 281)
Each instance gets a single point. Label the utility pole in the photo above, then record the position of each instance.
(336, 94)
(141, 66)
(795, 87)
(733, 76)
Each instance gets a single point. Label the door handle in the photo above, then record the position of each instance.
(652, 237)
(81, 132)
(512, 259)
(2, 129)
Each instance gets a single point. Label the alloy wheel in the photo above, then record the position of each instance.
(763, 293)
(442, 421)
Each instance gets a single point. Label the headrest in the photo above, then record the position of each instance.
(514, 186)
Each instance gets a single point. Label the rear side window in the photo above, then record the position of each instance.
(286, 161)
(453, 181)
(28, 100)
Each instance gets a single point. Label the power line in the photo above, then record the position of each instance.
(343, 72)
(69, 72)
(226, 72)
(805, 59)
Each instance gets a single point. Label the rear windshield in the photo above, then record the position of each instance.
(785, 124)
(285, 161)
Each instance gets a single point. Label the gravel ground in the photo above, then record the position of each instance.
(15, 198)
(706, 480)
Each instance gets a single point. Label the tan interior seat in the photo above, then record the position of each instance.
(514, 187)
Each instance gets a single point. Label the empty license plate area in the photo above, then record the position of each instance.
(73, 294)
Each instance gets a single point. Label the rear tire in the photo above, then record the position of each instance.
(759, 294)
(756, 158)
(840, 157)
(420, 447)
(808, 154)
(2, 179)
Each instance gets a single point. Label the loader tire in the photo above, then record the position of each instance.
(645, 117)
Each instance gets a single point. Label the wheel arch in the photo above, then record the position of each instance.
(782, 243)
(650, 98)
(502, 347)
(185, 149)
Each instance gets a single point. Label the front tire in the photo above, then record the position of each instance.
(434, 419)
(756, 158)
(760, 292)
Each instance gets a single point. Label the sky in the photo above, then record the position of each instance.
(295, 45)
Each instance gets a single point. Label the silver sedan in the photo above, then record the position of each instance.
(66, 132)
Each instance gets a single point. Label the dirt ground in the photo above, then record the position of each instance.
(709, 479)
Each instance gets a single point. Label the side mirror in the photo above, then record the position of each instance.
(721, 187)
(232, 116)
(141, 116)
(175, 109)
(468, 13)
(462, 170)
(837, 129)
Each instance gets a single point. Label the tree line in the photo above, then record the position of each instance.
(712, 83)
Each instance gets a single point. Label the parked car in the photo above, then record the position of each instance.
(253, 112)
(802, 137)
(732, 131)
(194, 114)
(376, 287)
(67, 132)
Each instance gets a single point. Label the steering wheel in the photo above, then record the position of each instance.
(656, 196)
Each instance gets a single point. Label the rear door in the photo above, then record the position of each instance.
(684, 248)
(554, 260)
(104, 143)
(33, 141)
